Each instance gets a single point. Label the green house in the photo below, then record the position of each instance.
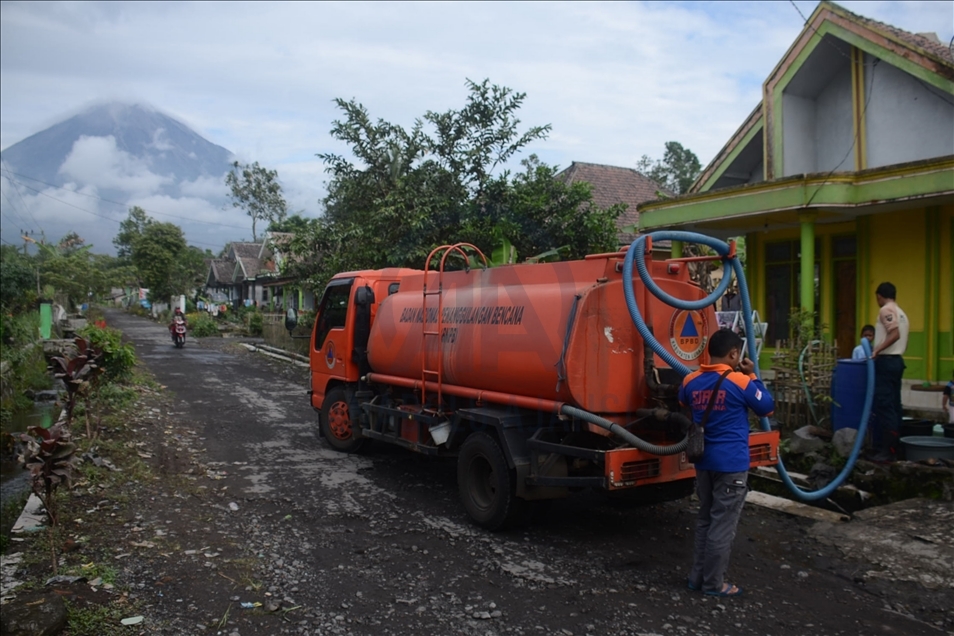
(841, 178)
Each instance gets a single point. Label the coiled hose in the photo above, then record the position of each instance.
(637, 254)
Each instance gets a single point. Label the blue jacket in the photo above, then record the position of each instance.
(727, 431)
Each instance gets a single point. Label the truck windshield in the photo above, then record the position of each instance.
(333, 311)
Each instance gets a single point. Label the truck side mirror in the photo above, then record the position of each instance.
(363, 296)
(291, 319)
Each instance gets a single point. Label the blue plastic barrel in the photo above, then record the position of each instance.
(848, 391)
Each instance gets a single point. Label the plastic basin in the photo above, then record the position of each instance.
(918, 447)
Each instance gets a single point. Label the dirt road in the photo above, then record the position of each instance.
(253, 507)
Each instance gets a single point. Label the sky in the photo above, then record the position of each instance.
(614, 80)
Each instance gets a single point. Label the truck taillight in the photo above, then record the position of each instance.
(673, 268)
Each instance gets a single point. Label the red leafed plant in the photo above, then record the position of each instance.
(77, 372)
(49, 455)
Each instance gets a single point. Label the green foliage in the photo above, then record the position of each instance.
(71, 269)
(164, 263)
(256, 323)
(17, 280)
(410, 190)
(130, 230)
(256, 190)
(292, 223)
(118, 359)
(24, 366)
(677, 171)
(202, 325)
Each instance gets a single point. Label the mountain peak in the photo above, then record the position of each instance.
(162, 144)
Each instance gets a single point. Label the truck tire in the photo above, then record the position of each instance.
(487, 484)
(335, 422)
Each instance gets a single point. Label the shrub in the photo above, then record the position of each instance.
(255, 323)
(118, 358)
(202, 325)
(24, 366)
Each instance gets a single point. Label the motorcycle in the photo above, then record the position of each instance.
(178, 329)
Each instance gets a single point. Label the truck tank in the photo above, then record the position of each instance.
(558, 331)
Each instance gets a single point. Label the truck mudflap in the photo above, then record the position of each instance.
(631, 467)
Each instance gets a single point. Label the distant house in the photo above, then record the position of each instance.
(251, 273)
(615, 184)
(236, 274)
(840, 179)
(281, 291)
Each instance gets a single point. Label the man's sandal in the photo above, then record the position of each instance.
(692, 586)
(727, 590)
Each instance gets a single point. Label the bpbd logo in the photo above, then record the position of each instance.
(687, 334)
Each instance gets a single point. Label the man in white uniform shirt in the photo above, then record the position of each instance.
(891, 340)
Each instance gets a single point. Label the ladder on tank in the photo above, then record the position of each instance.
(436, 376)
(733, 320)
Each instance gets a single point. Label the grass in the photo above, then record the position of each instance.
(96, 620)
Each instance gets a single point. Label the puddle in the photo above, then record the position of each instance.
(13, 479)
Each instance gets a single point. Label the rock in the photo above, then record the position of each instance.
(37, 614)
(821, 475)
(803, 441)
(844, 440)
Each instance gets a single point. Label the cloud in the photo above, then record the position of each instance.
(616, 80)
(160, 141)
(205, 187)
(98, 162)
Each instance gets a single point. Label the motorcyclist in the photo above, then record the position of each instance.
(177, 316)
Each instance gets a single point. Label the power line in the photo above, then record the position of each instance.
(99, 198)
(23, 221)
(854, 138)
(102, 216)
(23, 201)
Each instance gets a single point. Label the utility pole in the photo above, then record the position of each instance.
(27, 239)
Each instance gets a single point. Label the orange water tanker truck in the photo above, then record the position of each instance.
(533, 376)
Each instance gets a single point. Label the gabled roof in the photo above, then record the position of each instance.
(616, 184)
(881, 40)
(220, 272)
(245, 250)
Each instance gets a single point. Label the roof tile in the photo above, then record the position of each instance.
(616, 184)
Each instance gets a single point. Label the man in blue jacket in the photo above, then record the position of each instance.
(731, 385)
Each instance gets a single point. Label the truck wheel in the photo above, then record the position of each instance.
(335, 422)
(487, 485)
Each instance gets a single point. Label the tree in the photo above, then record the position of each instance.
(677, 171)
(537, 212)
(441, 181)
(129, 230)
(292, 223)
(160, 257)
(17, 280)
(73, 270)
(256, 190)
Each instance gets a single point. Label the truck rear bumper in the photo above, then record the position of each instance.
(631, 467)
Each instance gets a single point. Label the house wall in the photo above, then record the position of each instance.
(834, 125)
(905, 119)
(818, 130)
(798, 134)
(914, 250)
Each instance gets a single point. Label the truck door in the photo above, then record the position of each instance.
(331, 340)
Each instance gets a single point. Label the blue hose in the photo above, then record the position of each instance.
(637, 253)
